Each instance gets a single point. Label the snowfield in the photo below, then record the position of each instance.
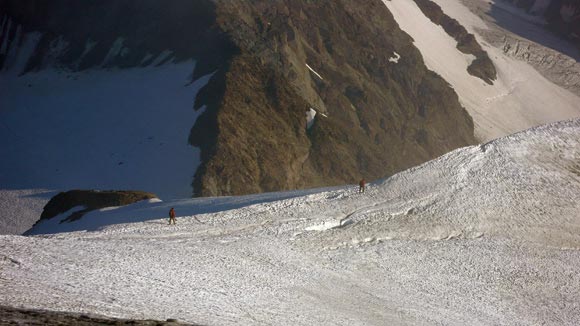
(484, 235)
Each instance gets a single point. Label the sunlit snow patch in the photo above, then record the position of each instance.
(324, 226)
(328, 225)
(310, 114)
(396, 58)
(314, 72)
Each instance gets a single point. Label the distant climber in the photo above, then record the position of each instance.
(172, 216)
(362, 185)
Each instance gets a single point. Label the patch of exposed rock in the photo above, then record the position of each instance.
(90, 200)
(19, 316)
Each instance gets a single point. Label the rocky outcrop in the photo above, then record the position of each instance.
(19, 316)
(482, 66)
(90, 200)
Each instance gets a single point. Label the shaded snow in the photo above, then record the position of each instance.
(162, 57)
(484, 235)
(100, 129)
(89, 46)
(116, 50)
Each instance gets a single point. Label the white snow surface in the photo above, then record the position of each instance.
(484, 235)
(395, 58)
(520, 97)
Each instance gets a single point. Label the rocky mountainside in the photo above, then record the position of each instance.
(377, 108)
(377, 114)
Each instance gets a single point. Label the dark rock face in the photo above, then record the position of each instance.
(17, 316)
(91, 199)
(482, 67)
(382, 117)
(375, 117)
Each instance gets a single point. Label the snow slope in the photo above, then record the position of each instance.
(484, 235)
(519, 99)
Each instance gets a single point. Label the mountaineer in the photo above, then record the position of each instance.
(171, 216)
(361, 185)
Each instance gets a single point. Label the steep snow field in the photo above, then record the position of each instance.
(485, 235)
(519, 99)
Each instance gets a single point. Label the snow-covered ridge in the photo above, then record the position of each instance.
(483, 235)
